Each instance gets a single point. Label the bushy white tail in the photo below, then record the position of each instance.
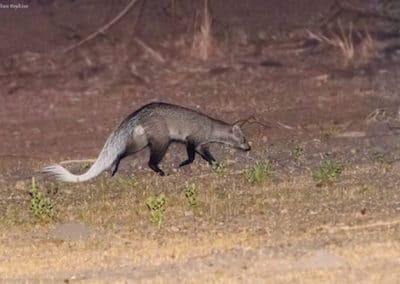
(114, 146)
(62, 174)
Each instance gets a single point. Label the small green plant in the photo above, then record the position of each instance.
(156, 206)
(41, 207)
(381, 158)
(327, 172)
(258, 173)
(378, 156)
(297, 152)
(191, 194)
(219, 168)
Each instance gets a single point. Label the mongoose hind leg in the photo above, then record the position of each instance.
(115, 166)
(157, 153)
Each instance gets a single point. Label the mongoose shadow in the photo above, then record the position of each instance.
(156, 126)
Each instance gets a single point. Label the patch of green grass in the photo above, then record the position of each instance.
(297, 152)
(327, 172)
(219, 168)
(191, 194)
(156, 205)
(258, 173)
(41, 207)
(129, 182)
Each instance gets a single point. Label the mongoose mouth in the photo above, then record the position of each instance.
(245, 147)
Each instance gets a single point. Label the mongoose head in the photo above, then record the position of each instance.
(237, 139)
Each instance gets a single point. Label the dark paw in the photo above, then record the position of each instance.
(184, 163)
(214, 163)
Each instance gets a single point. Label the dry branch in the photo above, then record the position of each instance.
(153, 53)
(103, 28)
(253, 120)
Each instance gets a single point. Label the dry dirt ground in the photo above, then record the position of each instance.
(291, 223)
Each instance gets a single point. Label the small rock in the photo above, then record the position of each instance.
(71, 231)
(175, 229)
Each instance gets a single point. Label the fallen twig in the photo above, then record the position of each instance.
(373, 116)
(103, 28)
(281, 124)
(252, 120)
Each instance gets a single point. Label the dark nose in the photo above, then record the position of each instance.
(246, 147)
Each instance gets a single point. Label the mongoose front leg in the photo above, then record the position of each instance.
(157, 153)
(205, 154)
(191, 152)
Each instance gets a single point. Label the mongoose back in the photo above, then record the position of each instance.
(156, 125)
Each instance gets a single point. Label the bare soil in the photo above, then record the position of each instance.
(57, 106)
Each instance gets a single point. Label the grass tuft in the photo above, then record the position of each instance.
(341, 40)
(191, 194)
(156, 205)
(258, 173)
(203, 42)
(297, 152)
(351, 43)
(41, 207)
(327, 173)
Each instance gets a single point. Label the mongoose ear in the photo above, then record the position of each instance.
(236, 129)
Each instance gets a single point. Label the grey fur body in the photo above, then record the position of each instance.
(156, 125)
